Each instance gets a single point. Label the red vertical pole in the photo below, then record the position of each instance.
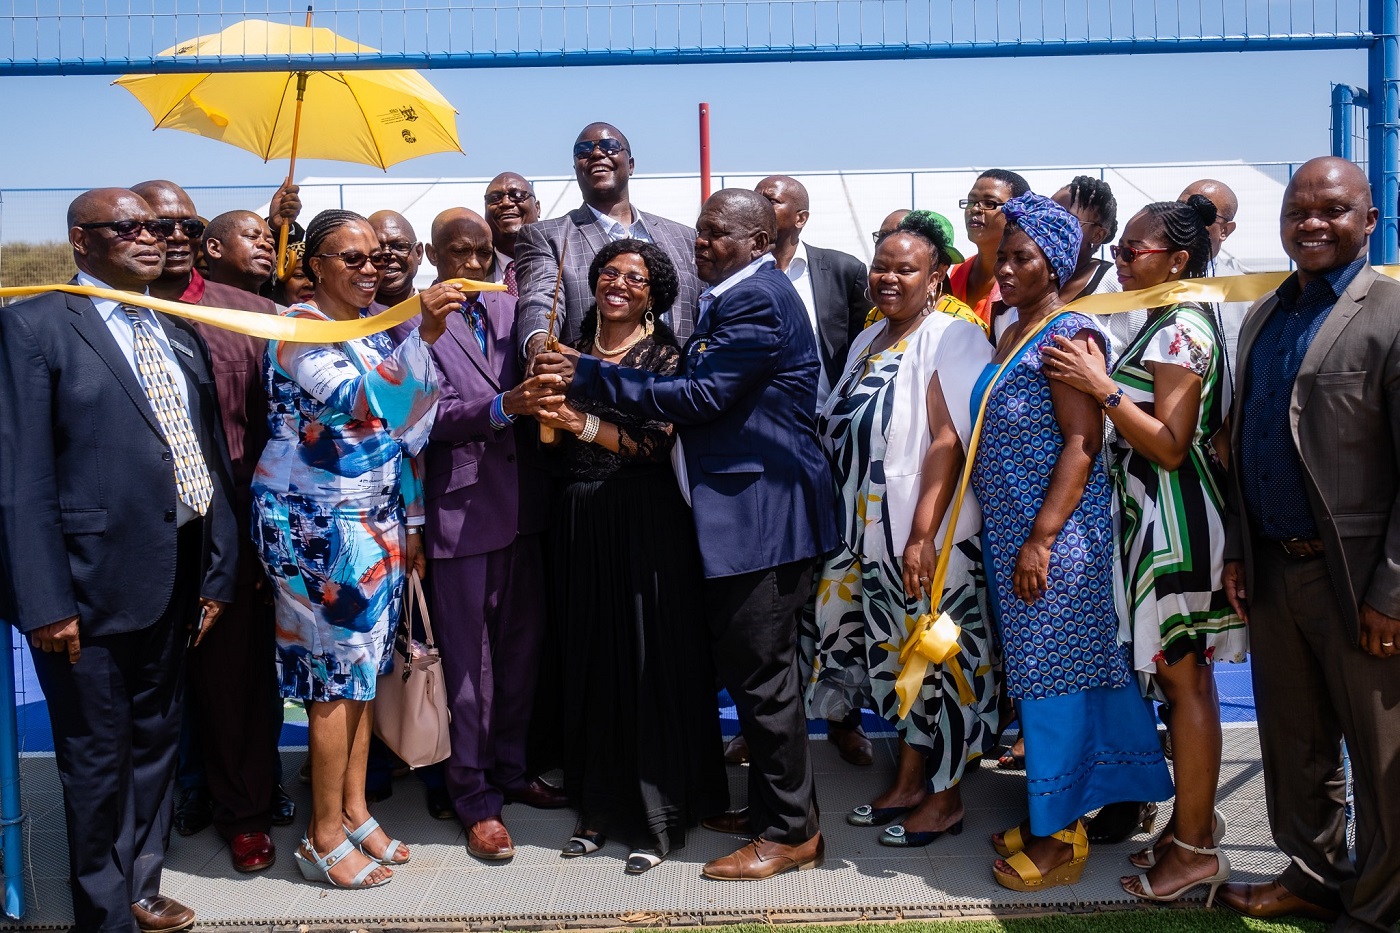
(704, 153)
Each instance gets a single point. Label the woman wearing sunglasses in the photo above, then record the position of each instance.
(894, 429)
(337, 515)
(638, 718)
(1167, 397)
(1047, 537)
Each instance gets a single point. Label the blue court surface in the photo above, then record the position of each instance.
(1232, 680)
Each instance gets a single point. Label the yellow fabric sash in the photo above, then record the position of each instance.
(254, 324)
(931, 638)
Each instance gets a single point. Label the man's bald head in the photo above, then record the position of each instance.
(891, 221)
(510, 204)
(240, 250)
(1227, 205)
(1327, 216)
(791, 204)
(396, 237)
(461, 245)
(128, 264)
(735, 227)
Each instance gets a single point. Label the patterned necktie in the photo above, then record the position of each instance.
(191, 474)
(476, 316)
(509, 280)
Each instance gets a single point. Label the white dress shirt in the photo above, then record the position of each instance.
(124, 332)
(799, 273)
(498, 272)
(617, 231)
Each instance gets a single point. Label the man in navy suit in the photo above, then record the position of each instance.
(743, 403)
(116, 564)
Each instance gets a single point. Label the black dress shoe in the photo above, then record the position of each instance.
(440, 804)
(284, 808)
(194, 812)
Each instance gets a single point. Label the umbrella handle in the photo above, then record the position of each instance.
(284, 266)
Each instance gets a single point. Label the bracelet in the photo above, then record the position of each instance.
(591, 424)
(416, 530)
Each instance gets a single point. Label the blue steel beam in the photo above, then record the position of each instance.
(685, 56)
(1384, 128)
(1344, 99)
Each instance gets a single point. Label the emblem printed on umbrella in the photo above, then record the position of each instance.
(400, 115)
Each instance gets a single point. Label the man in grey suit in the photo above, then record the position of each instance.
(603, 165)
(1313, 541)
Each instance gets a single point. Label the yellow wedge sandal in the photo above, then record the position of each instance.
(1028, 877)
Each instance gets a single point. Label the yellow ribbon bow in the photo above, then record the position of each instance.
(254, 324)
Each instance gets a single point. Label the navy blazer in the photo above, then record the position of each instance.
(87, 485)
(742, 402)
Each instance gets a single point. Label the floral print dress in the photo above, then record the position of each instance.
(330, 498)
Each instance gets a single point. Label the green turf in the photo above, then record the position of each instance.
(1153, 920)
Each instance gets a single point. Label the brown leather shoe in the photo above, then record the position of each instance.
(733, 822)
(851, 742)
(489, 839)
(736, 750)
(252, 851)
(764, 859)
(539, 794)
(161, 914)
(1269, 899)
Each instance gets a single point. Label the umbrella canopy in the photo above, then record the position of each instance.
(370, 117)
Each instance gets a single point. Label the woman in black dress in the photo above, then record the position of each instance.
(639, 721)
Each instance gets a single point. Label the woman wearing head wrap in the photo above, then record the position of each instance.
(1168, 396)
(895, 429)
(1047, 537)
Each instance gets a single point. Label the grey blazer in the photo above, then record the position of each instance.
(537, 262)
(1345, 419)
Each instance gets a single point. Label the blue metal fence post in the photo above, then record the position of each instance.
(1342, 103)
(1384, 127)
(11, 815)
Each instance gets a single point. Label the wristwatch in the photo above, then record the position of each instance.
(1112, 399)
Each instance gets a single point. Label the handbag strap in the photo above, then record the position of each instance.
(414, 587)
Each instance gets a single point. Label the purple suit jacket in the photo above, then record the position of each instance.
(482, 487)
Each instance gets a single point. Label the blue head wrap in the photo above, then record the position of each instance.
(1055, 230)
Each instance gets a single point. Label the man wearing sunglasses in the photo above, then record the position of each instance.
(510, 205)
(603, 166)
(170, 202)
(120, 539)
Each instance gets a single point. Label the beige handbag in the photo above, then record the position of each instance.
(410, 703)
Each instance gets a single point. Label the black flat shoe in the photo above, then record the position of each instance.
(868, 815)
(194, 812)
(440, 804)
(641, 861)
(900, 838)
(284, 808)
(582, 844)
(1117, 822)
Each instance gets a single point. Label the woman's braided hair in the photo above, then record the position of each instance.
(321, 227)
(1095, 194)
(1183, 225)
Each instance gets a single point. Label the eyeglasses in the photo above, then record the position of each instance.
(584, 147)
(131, 229)
(354, 259)
(608, 273)
(986, 205)
(192, 226)
(400, 248)
(520, 195)
(1130, 254)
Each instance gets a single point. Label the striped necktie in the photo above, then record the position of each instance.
(191, 474)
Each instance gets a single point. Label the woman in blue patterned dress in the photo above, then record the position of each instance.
(334, 499)
(1168, 397)
(1047, 538)
(894, 429)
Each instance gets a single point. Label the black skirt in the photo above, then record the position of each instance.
(640, 732)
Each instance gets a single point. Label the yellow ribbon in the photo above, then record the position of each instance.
(923, 644)
(267, 326)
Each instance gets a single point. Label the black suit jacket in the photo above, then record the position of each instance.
(839, 282)
(87, 483)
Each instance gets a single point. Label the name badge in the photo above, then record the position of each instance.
(182, 348)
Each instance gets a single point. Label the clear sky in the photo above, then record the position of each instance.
(81, 132)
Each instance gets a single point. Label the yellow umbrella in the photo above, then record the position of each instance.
(370, 117)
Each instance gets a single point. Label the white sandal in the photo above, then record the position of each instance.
(1222, 874)
(358, 836)
(1148, 856)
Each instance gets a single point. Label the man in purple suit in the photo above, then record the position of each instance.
(486, 509)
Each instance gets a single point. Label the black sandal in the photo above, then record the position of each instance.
(1119, 821)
